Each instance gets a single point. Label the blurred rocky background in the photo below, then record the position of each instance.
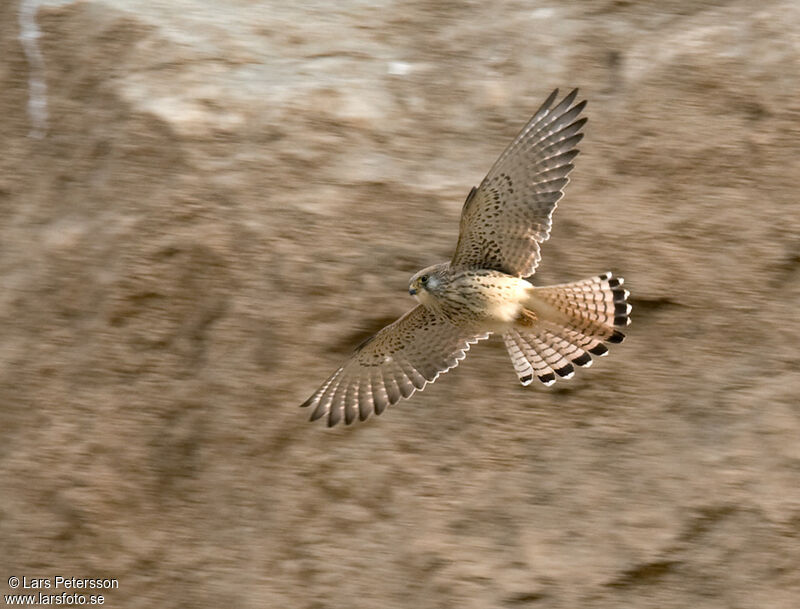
(204, 206)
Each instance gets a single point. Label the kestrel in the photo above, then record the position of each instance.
(483, 290)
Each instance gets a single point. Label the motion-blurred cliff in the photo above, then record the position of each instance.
(224, 198)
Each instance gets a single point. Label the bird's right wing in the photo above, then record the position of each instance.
(400, 359)
(506, 218)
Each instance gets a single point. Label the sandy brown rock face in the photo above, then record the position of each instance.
(227, 200)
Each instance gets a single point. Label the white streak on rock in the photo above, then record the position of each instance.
(37, 88)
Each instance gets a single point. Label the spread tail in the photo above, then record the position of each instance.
(564, 325)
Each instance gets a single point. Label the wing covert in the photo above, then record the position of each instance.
(506, 218)
(400, 359)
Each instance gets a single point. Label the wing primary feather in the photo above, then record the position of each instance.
(555, 146)
(567, 102)
(559, 141)
(544, 108)
(334, 413)
(414, 375)
(392, 388)
(551, 186)
(319, 412)
(567, 117)
(555, 172)
(556, 160)
(366, 399)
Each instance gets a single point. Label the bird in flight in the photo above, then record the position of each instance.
(483, 289)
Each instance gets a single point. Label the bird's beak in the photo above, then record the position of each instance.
(412, 291)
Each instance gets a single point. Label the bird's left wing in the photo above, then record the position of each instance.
(506, 218)
(400, 359)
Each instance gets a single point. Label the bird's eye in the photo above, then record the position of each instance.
(423, 279)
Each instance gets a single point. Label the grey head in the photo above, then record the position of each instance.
(429, 281)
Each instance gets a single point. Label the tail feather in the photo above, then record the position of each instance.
(522, 361)
(566, 325)
(527, 360)
(600, 299)
(571, 350)
(555, 359)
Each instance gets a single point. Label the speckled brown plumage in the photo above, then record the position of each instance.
(398, 360)
(482, 290)
(509, 214)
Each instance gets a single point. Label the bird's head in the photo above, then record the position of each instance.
(428, 282)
